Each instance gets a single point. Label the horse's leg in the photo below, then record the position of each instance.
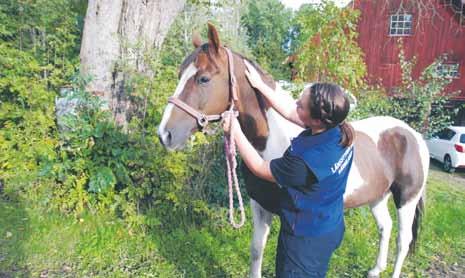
(407, 214)
(383, 220)
(261, 228)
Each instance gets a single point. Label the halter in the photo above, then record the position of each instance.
(202, 119)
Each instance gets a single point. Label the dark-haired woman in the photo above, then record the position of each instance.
(312, 174)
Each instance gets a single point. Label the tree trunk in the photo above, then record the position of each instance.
(117, 33)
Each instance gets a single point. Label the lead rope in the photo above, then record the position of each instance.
(231, 164)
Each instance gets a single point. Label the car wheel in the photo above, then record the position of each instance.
(447, 165)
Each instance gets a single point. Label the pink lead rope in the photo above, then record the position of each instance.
(231, 164)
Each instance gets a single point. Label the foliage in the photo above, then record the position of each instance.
(371, 102)
(26, 118)
(38, 51)
(422, 102)
(41, 29)
(326, 45)
(103, 169)
(267, 23)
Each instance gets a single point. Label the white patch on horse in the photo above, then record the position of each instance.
(281, 131)
(354, 181)
(374, 126)
(187, 74)
(383, 220)
(261, 228)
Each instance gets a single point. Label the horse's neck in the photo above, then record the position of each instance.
(279, 131)
(252, 116)
(268, 131)
(251, 106)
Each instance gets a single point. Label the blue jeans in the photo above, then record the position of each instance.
(299, 257)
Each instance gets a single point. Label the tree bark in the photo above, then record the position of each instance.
(118, 32)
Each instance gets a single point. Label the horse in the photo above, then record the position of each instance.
(390, 158)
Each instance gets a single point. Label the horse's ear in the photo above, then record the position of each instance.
(196, 39)
(213, 38)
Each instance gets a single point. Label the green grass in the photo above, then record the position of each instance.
(92, 246)
(32, 243)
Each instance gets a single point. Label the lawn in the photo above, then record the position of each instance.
(37, 244)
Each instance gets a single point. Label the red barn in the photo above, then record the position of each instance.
(428, 29)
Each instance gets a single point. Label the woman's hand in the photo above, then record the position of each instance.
(230, 123)
(253, 76)
(250, 156)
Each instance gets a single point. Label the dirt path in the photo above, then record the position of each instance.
(440, 269)
(457, 178)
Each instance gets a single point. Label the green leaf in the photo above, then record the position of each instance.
(101, 180)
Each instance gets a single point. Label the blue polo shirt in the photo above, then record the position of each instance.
(313, 173)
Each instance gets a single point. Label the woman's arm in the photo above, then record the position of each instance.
(283, 103)
(256, 164)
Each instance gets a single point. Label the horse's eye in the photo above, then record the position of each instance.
(203, 80)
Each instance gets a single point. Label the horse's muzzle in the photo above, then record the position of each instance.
(164, 137)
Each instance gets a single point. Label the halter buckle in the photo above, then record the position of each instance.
(202, 120)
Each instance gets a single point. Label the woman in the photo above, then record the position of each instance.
(312, 174)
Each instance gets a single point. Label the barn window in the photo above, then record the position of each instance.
(448, 70)
(401, 25)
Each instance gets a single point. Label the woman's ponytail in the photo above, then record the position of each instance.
(348, 134)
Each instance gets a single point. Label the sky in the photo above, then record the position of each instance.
(295, 4)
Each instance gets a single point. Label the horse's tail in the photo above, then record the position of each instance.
(419, 212)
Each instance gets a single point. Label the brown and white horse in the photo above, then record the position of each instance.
(390, 157)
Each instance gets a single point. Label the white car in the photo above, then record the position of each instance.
(448, 146)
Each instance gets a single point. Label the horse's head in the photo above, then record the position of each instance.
(203, 86)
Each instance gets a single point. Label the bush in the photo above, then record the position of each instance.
(27, 127)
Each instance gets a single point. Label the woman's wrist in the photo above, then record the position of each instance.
(235, 129)
(267, 90)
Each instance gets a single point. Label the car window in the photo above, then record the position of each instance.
(450, 134)
(462, 138)
(439, 134)
(435, 135)
(446, 134)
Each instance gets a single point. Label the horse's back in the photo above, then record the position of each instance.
(379, 126)
(376, 125)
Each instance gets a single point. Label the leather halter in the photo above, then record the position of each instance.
(202, 119)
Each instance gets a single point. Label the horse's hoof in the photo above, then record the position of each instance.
(374, 273)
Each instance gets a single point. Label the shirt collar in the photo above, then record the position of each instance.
(306, 139)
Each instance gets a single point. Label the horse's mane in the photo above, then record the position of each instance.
(267, 78)
(189, 60)
(265, 75)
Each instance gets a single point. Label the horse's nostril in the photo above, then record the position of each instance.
(164, 137)
(160, 138)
